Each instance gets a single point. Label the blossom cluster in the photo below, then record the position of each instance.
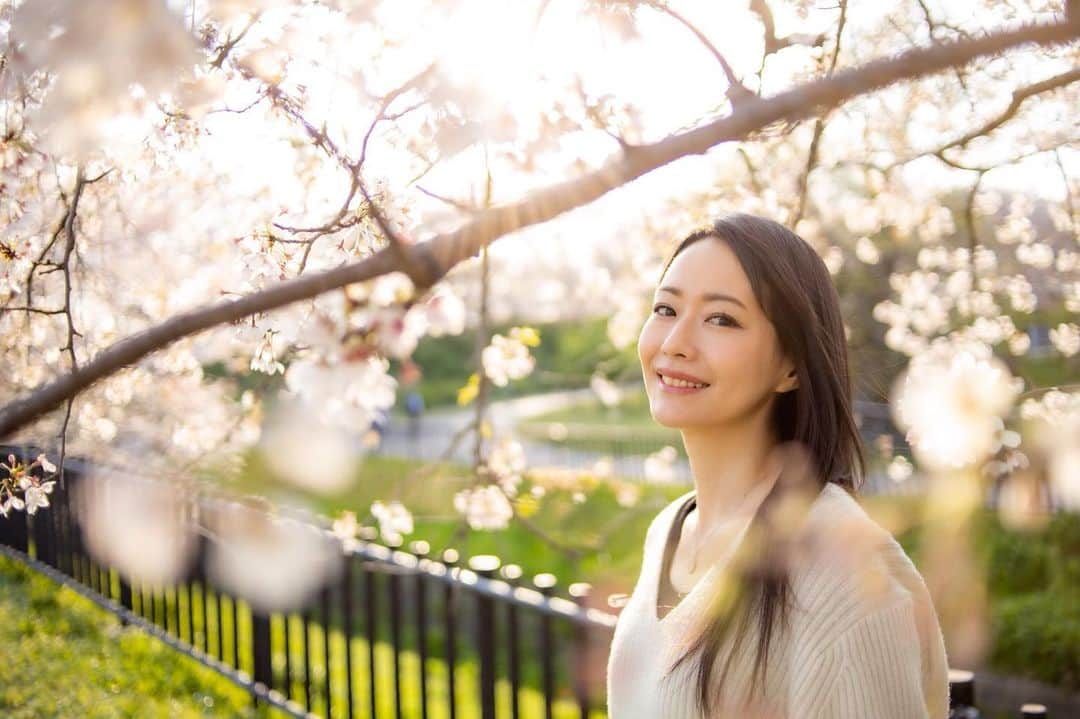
(508, 357)
(21, 478)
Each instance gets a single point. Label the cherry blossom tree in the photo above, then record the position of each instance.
(302, 190)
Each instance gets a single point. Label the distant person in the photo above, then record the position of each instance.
(380, 422)
(414, 407)
(818, 612)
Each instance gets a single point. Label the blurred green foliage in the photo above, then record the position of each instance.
(1033, 582)
(568, 354)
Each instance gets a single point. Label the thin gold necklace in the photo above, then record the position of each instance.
(737, 515)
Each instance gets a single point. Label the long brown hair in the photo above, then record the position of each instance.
(793, 287)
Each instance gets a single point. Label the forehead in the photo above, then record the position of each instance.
(708, 265)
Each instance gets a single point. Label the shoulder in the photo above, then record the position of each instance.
(863, 615)
(661, 523)
(848, 567)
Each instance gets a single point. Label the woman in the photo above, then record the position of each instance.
(766, 591)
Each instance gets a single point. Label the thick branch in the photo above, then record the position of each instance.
(445, 251)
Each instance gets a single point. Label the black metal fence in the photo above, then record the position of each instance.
(395, 634)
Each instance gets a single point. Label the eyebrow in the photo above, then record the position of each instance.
(708, 296)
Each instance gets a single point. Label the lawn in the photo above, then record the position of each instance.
(63, 656)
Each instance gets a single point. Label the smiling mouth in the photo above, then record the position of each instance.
(680, 384)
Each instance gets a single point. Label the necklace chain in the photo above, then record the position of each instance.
(736, 514)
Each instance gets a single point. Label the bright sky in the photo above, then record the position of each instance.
(512, 64)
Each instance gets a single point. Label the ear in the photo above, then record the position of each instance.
(789, 381)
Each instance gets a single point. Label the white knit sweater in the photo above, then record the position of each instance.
(863, 639)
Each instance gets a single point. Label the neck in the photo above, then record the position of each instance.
(733, 468)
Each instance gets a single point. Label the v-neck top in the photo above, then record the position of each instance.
(863, 638)
(667, 597)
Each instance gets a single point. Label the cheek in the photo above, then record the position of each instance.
(647, 344)
(738, 361)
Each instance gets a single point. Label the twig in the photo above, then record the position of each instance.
(819, 125)
(1018, 98)
(736, 91)
(1069, 204)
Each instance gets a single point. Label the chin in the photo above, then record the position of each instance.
(672, 420)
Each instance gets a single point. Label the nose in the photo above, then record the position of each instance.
(679, 341)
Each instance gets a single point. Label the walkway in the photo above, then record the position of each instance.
(438, 427)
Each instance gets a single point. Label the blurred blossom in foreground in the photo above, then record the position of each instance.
(608, 392)
(660, 465)
(948, 399)
(484, 507)
(1054, 420)
(445, 313)
(899, 469)
(604, 467)
(136, 526)
(625, 323)
(508, 358)
(347, 394)
(345, 528)
(1066, 338)
(393, 518)
(627, 494)
(507, 462)
(95, 50)
(302, 450)
(275, 563)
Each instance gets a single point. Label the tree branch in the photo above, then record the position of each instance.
(819, 124)
(1070, 206)
(736, 91)
(1018, 98)
(772, 42)
(443, 252)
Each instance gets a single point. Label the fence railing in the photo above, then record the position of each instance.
(395, 633)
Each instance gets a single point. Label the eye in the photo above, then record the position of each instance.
(659, 307)
(728, 320)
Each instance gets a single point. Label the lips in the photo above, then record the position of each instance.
(672, 374)
(665, 381)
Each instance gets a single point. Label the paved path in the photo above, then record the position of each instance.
(438, 427)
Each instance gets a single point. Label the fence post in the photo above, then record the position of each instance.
(485, 565)
(421, 549)
(450, 559)
(546, 584)
(582, 661)
(346, 625)
(260, 649)
(394, 591)
(511, 574)
(14, 531)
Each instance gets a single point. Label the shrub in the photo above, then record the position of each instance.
(1038, 635)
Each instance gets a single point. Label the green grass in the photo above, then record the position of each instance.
(76, 659)
(63, 656)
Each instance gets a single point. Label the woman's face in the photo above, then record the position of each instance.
(724, 341)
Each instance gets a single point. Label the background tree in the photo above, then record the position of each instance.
(194, 191)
